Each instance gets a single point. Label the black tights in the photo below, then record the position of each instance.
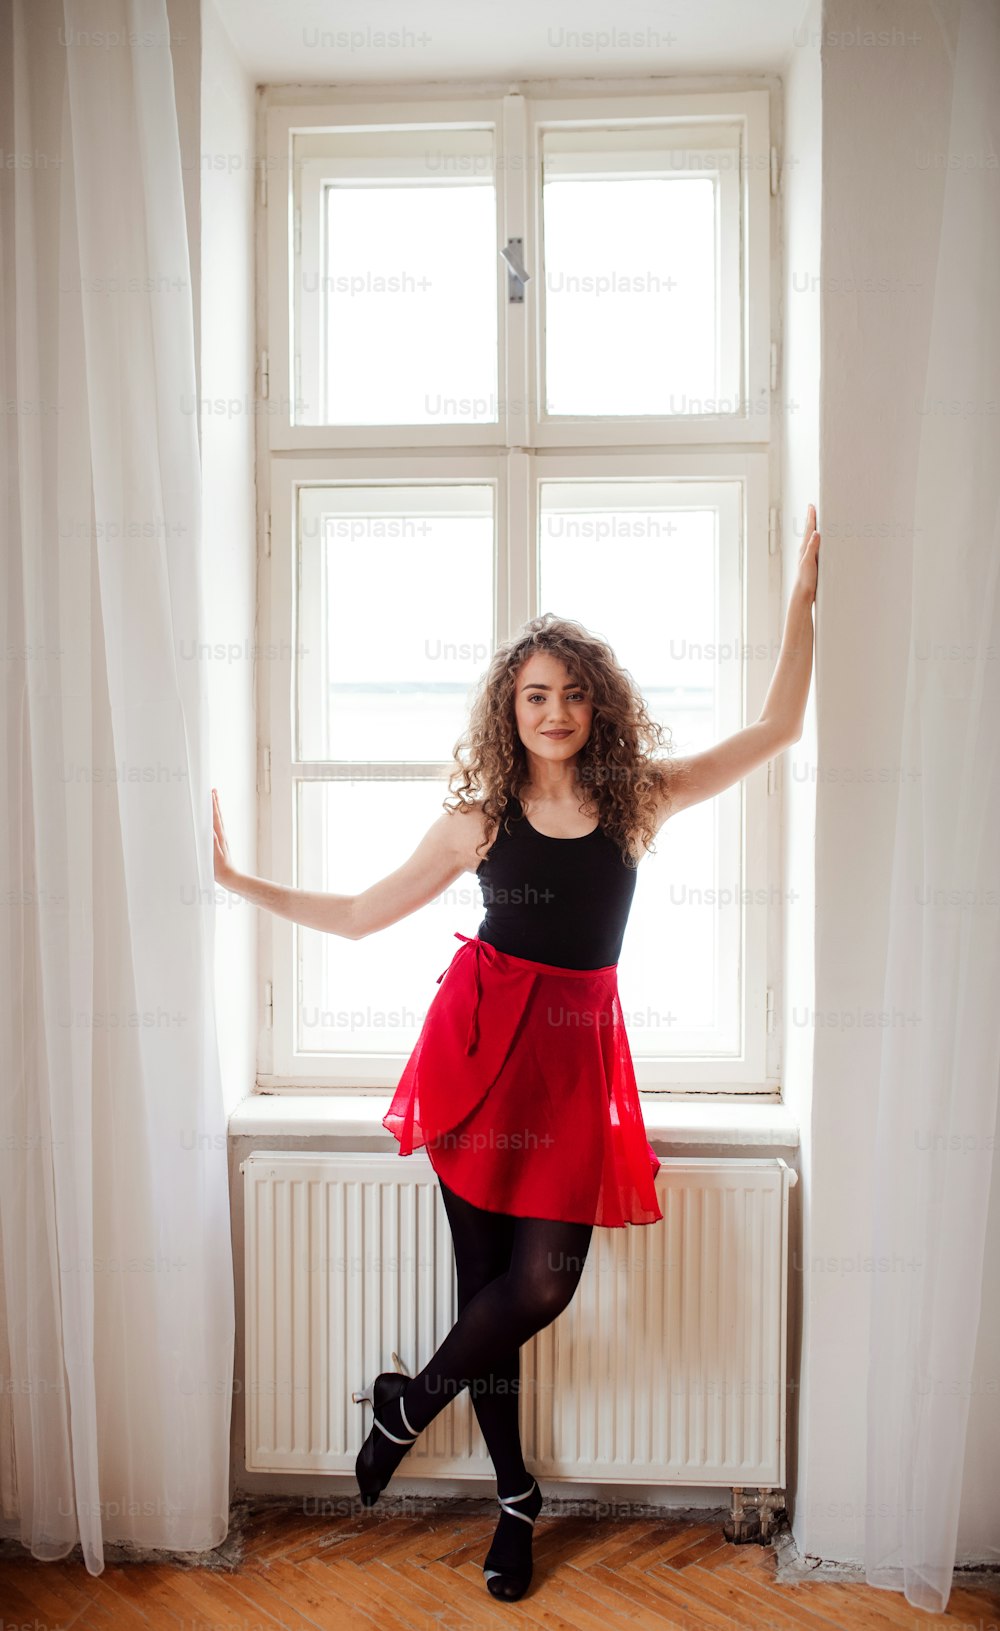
(515, 1275)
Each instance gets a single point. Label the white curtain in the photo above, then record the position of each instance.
(116, 1319)
(938, 1088)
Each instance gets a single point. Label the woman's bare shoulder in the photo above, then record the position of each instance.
(471, 828)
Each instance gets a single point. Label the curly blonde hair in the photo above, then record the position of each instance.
(617, 761)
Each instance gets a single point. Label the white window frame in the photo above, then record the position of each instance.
(516, 480)
(729, 263)
(307, 227)
(284, 1064)
(752, 424)
(516, 454)
(282, 123)
(520, 121)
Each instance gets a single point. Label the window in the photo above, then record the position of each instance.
(395, 249)
(660, 280)
(516, 358)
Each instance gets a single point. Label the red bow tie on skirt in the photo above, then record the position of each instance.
(480, 948)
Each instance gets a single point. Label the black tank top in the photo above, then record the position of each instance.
(555, 900)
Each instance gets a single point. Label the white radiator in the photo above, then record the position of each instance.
(668, 1367)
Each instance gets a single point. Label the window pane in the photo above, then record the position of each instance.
(397, 278)
(641, 249)
(395, 618)
(679, 968)
(371, 995)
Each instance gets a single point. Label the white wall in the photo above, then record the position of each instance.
(800, 197)
(883, 105)
(229, 547)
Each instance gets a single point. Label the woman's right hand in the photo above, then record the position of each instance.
(224, 869)
(809, 557)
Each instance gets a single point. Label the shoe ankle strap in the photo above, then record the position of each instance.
(394, 1436)
(507, 1500)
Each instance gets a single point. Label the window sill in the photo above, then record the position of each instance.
(668, 1123)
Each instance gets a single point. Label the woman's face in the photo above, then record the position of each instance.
(552, 713)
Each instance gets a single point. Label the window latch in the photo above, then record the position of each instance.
(517, 277)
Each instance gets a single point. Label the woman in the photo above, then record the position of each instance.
(521, 1083)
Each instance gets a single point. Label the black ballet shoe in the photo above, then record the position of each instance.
(508, 1564)
(384, 1448)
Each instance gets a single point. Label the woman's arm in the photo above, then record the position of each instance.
(442, 855)
(785, 703)
(780, 720)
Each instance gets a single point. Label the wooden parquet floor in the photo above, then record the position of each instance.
(424, 1573)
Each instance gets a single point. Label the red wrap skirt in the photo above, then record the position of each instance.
(521, 1086)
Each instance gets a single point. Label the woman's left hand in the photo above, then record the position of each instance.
(809, 557)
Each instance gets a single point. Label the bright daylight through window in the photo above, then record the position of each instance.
(453, 450)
